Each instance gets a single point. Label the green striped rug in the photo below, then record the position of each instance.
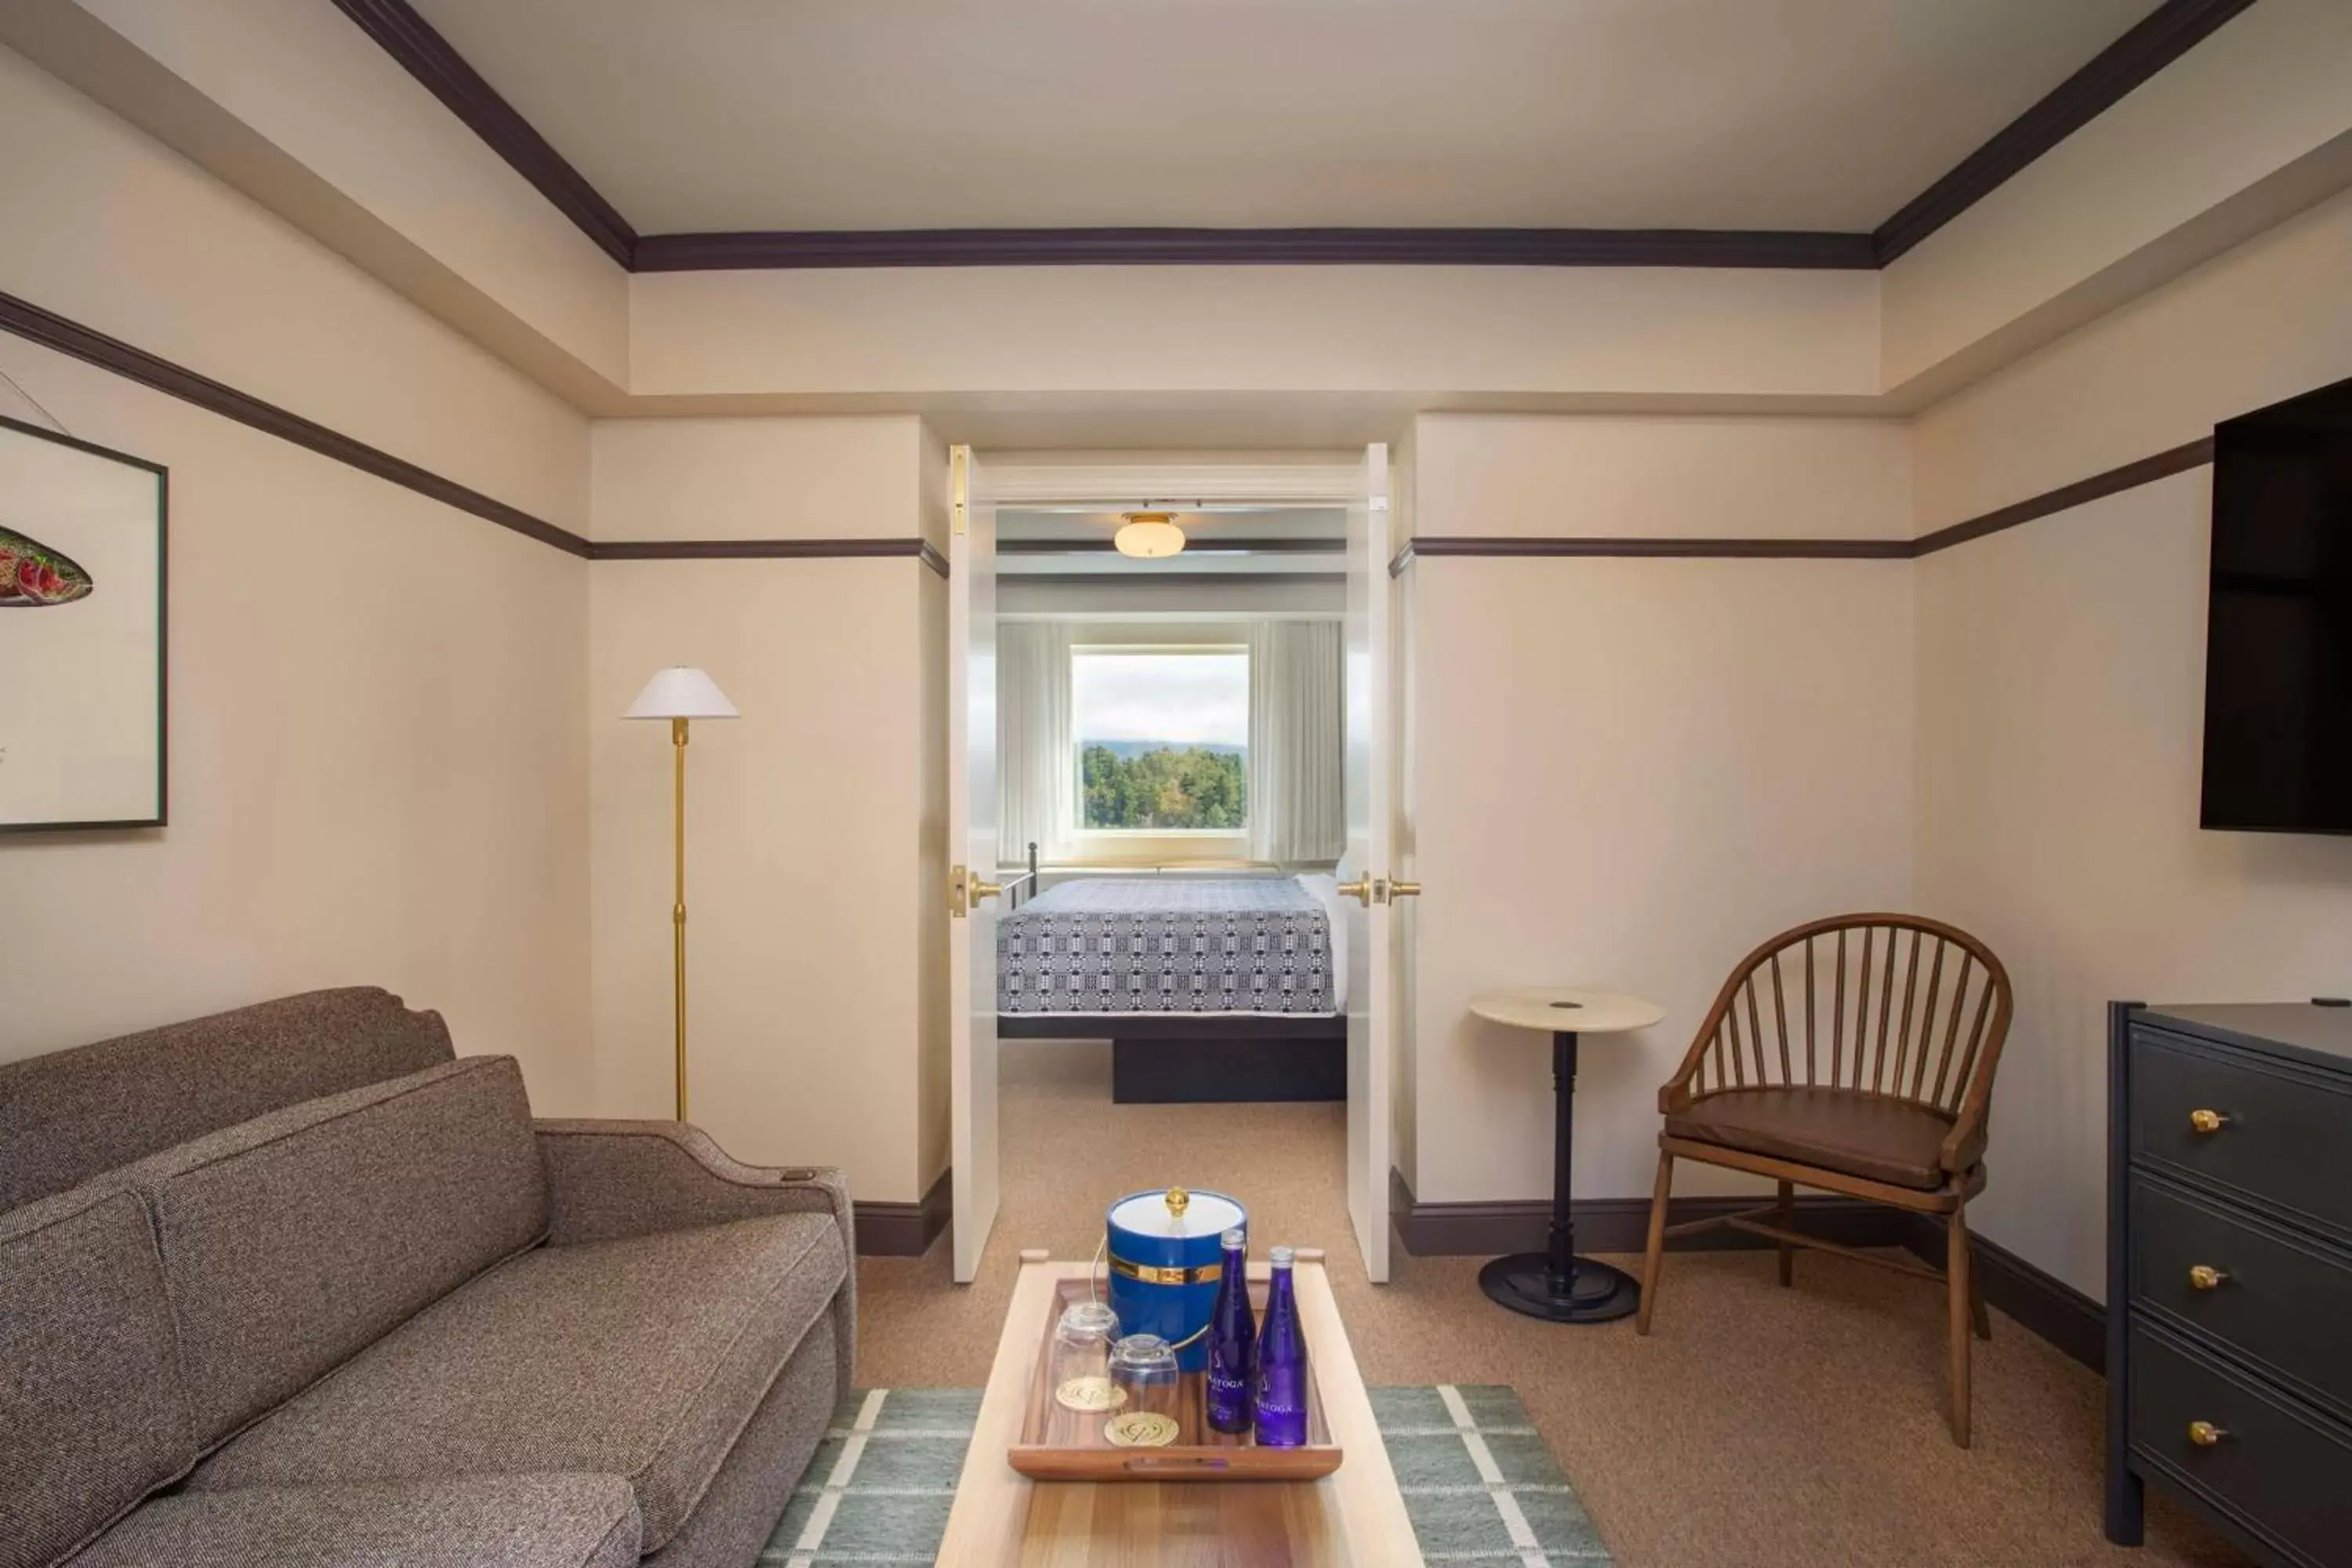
(1478, 1480)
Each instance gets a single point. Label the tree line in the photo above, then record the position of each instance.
(1166, 789)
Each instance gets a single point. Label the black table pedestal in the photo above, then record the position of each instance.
(1556, 1284)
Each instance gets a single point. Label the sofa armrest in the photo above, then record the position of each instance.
(609, 1179)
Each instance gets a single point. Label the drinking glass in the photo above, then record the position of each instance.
(1143, 1368)
(1082, 1347)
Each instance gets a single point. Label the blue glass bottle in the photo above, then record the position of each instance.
(1232, 1342)
(1281, 1363)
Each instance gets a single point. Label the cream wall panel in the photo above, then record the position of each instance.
(802, 823)
(1240, 330)
(932, 932)
(2268, 319)
(2268, 89)
(1626, 773)
(757, 478)
(378, 760)
(306, 79)
(1648, 477)
(2061, 710)
(138, 243)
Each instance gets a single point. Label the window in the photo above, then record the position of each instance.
(1162, 738)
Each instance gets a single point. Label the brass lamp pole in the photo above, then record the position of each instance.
(680, 695)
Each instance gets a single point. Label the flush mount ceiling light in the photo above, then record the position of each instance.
(1148, 535)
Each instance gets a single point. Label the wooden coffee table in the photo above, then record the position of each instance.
(1355, 1516)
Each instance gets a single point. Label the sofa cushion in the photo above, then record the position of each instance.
(477, 1521)
(93, 1411)
(1871, 1136)
(72, 1115)
(292, 1242)
(643, 1358)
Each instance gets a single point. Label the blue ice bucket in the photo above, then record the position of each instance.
(1165, 1260)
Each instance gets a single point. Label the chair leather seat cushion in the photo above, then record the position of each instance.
(642, 1358)
(1866, 1135)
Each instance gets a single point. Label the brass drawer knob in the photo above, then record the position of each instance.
(2207, 1120)
(2204, 1434)
(2205, 1276)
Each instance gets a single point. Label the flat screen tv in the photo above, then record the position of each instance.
(2278, 652)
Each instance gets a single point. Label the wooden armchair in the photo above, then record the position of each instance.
(1817, 1066)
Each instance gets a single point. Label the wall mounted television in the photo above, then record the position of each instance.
(2278, 652)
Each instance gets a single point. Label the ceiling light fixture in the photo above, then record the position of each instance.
(1148, 535)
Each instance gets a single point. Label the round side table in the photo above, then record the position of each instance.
(1557, 1284)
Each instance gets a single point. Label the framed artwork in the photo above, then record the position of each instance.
(82, 634)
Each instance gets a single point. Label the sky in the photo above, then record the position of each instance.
(1188, 698)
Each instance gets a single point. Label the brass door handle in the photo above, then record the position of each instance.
(1361, 889)
(2205, 1276)
(2204, 1434)
(2207, 1120)
(1404, 890)
(981, 889)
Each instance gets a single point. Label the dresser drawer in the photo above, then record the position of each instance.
(2281, 1138)
(2274, 1463)
(2284, 1302)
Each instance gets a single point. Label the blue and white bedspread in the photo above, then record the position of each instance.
(1169, 944)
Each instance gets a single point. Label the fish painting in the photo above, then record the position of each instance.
(33, 575)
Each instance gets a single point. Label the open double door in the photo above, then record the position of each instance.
(1370, 772)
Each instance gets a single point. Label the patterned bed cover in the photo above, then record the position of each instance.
(1109, 945)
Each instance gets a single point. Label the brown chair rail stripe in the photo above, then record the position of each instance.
(2130, 476)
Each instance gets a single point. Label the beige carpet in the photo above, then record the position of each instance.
(1756, 1427)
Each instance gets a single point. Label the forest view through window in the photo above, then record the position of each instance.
(1162, 738)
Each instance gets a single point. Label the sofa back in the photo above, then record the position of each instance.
(292, 1242)
(75, 1114)
(93, 1408)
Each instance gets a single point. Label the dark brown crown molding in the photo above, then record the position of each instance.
(426, 56)
(2161, 37)
(2155, 42)
(1197, 546)
(54, 331)
(1254, 247)
(765, 549)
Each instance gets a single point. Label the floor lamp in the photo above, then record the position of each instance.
(679, 694)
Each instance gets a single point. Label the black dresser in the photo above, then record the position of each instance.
(2229, 1272)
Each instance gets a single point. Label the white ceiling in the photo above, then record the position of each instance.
(756, 114)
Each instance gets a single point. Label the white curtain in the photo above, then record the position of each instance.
(1037, 775)
(1297, 804)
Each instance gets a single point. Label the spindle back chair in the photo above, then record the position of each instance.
(1855, 1055)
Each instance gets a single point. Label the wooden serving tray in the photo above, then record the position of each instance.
(1057, 1443)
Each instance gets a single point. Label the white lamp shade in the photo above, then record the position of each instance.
(681, 692)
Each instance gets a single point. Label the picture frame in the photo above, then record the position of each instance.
(84, 635)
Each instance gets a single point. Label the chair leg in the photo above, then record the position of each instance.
(1956, 1270)
(1788, 1217)
(1658, 1196)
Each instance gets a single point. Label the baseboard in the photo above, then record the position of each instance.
(1620, 1225)
(2039, 1300)
(904, 1230)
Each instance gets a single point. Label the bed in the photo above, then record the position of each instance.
(1224, 988)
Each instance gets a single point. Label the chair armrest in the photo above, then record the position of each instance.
(609, 1180)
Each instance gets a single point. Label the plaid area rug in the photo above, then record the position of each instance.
(1478, 1480)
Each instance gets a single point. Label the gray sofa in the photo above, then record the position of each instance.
(297, 1285)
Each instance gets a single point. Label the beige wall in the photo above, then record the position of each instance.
(2061, 703)
(809, 819)
(377, 744)
(1625, 773)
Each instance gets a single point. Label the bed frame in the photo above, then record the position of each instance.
(1179, 1059)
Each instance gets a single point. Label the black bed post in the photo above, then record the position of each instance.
(1031, 890)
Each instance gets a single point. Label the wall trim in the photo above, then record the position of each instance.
(2113, 481)
(2039, 1302)
(426, 55)
(2157, 40)
(764, 550)
(903, 1229)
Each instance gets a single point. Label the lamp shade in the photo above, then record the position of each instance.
(681, 693)
(1149, 536)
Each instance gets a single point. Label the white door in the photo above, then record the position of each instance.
(1371, 968)
(973, 860)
